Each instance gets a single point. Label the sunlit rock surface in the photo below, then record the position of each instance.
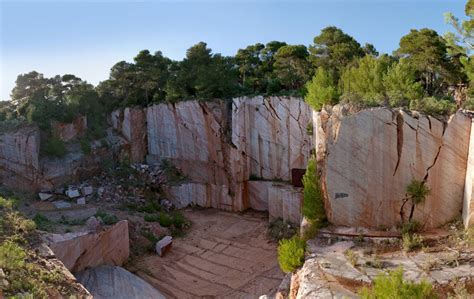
(82, 250)
(368, 159)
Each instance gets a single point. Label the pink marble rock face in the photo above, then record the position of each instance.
(79, 251)
(369, 158)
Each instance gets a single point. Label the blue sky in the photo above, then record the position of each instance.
(87, 37)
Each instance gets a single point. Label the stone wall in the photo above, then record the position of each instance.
(367, 159)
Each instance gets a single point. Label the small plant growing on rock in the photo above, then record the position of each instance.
(291, 254)
(352, 257)
(393, 286)
(43, 223)
(12, 256)
(411, 242)
(417, 192)
(411, 227)
(108, 219)
(376, 263)
(313, 202)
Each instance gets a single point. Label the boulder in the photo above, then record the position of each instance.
(107, 282)
(87, 190)
(82, 250)
(61, 204)
(73, 193)
(44, 196)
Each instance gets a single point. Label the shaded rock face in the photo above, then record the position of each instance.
(22, 168)
(131, 124)
(19, 157)
(115, 282)
(79, 251)
(368, 159)
(70, 131)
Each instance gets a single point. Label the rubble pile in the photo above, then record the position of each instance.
(133, 183)
(153, 175)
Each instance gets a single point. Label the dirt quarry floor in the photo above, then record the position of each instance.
(223, 255)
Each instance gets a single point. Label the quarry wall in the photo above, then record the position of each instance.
(239, 154)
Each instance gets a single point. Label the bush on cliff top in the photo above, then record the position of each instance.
(291, 254)
(393, 286)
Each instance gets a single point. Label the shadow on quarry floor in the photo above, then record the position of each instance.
(224, 255)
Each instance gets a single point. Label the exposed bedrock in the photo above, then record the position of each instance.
(82, 250)
(19, 156)
(225, 148)
(221, 147)
(130, 123)
(367, 160)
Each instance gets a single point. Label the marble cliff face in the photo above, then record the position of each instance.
(240, 154)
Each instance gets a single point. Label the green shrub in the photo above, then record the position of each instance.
(411, 241)
(178, 219)
(411, 227)
(417, 191)
(291, 254)
(165, 220)
(43, 223)
(108, 219)
(362, 82)
(351, 257)
(401, 86)
(321, 90)
(309, 129)
(433, 106)
(313, 202)
(86, 146)
(5, 203)
(149, 207)
(151, 217)
(54, 147)
(12, 256)
(393, 286)
(173, 175)
(279, 229)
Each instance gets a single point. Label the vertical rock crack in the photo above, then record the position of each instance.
(400, 123)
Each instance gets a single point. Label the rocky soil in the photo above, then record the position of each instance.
(338, 267)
